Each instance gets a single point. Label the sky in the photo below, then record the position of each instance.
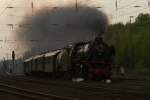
(12, 12)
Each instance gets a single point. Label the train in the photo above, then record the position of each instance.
(89, 60)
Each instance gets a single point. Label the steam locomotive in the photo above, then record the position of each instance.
(90, 60)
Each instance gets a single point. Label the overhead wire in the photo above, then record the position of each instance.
(130, 12)
(135, 11)
(128, 5)
(1, 13)
(119, 9)
(117, 17)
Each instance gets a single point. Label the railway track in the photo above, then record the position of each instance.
(29, 94)
(135, 82)
(110, 91)
(124, 81)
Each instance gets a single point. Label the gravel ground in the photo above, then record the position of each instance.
(4, 96)
(75, 90)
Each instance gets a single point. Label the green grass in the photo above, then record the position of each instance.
(140, 69)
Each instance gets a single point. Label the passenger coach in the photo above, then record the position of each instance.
(53, 63)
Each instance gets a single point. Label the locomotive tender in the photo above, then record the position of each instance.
(90, 60)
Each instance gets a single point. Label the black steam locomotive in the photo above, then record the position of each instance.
(89, 60)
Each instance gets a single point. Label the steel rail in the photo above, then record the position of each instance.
(34, 95)
(85, 86)
(101, 89)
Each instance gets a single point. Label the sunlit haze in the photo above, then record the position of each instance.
(12, 12)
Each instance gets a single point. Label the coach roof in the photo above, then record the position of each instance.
(38, 56)
(29, 59)
(52, 53)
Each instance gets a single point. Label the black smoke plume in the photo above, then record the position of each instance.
(50, 29)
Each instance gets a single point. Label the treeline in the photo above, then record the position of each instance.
(132, 43)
